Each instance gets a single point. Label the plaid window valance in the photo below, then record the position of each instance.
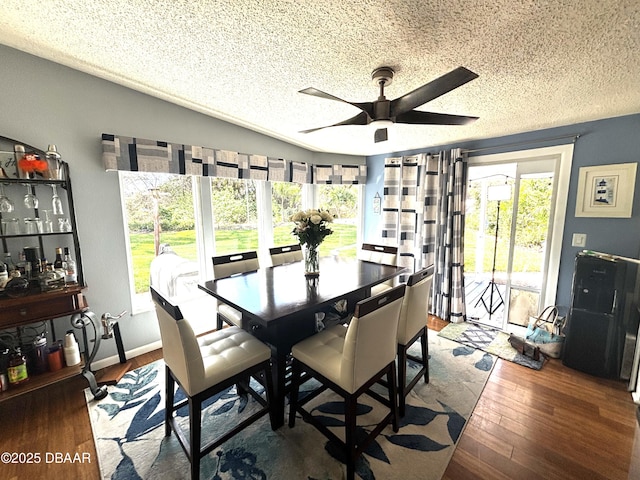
(140, 155)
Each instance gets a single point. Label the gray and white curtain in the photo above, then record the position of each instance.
(423, 214)
(408, 213)
(448, 300)
(141, 155)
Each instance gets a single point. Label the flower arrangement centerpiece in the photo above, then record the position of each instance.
(311, 229)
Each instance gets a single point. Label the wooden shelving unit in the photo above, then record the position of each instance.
(20, 310)
(41, 380)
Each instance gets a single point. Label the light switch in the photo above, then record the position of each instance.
(579, 240)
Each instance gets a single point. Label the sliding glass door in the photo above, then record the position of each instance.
(513, 234)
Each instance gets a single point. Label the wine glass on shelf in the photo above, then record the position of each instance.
(6, 205)
(30, 199)
(47, 223)
(56, 203)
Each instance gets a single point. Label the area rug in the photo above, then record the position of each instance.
(129, 432)
(489, 340)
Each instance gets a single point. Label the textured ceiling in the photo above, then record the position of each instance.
(540, 63)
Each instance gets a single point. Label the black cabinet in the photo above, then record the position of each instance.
(596, 325)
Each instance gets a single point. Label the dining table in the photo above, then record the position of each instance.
(278, 304)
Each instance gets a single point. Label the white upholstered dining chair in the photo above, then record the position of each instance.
(413, 326)
(349, 360)
(285, 254)
(203, 367)
(227, 266)
(382, 254)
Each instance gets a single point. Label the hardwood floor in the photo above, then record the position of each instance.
(555, 423)
(52, 422)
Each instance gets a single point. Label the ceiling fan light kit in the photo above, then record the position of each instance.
(383, 113)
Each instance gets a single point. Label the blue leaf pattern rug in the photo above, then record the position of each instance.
(129, 432)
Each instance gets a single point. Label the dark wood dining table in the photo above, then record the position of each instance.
(278, 304)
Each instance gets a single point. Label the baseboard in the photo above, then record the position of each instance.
(107, 362)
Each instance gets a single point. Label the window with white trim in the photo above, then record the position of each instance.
(175, 212)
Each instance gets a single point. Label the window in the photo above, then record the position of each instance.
(158, 210)
(286, 199)
(201, 217)
(344, 201)
(235, 215)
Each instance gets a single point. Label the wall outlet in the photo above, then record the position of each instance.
(579, 240)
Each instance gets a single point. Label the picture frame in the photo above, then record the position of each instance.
(606, 191)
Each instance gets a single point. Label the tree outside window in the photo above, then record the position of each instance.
(235, 215)
(159, 210)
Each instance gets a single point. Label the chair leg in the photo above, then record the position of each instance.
(351, 403)
(293, 394)
(195, 427)
(218, 322)
(402, 377)
(170, 389)
(425, 354)
(393, 396)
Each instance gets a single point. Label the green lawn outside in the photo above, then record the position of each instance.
(184, 244)
(526, 259)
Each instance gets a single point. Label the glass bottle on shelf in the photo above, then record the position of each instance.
(19, 152)
(53, 163)
(71, 273)
(57, 263)
(11, 267)
(17, 370)
(4, 275)
(24, 267)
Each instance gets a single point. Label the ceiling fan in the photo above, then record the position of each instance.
(383, 113)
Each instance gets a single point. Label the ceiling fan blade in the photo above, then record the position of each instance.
(429, 118)
(431, 90)
(361, 119)
(380, 135)
(365, 106)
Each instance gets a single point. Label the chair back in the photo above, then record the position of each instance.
(370, 341)
(415, 305)
(235, 263)
(382, 254)
(285, 254)
(180, 347)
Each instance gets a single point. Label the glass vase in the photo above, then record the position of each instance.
(311, 261)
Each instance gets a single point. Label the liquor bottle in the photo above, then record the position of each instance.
(17, 370)
(57, 264)
(4, 275)
(11, 267)
(71, 274)
(24, 266)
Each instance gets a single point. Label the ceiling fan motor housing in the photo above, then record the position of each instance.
(382, 74)
(382, 77)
